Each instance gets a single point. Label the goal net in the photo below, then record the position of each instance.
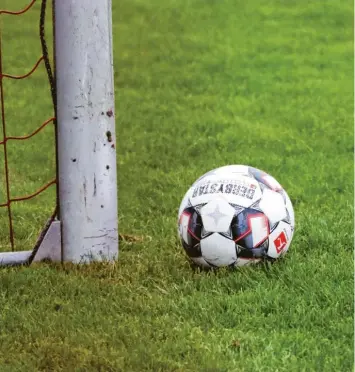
(58, 196)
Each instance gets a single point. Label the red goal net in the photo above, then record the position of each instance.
(28, 199)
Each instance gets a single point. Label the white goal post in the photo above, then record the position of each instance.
(86, 129)
(87, 225)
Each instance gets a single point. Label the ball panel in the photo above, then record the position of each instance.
(265, 179)
(234, 168)
(190, 227)
(273, 205)
(200, 261)
(217, 215)
(218, 250)
(225, 170)
(290, 210)
(259, 225)
(192, 250)
(250, 228)
(253, 253)
(185, 203)
(184, 222)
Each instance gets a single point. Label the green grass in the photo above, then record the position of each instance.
(199, 84)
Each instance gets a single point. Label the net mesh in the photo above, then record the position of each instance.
(27, 139)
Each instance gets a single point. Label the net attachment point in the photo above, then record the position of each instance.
(49, 249)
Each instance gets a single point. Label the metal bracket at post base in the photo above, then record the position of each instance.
(49, 249)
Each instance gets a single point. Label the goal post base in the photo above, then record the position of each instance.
(49, 249)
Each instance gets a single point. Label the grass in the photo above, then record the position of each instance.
(199, 84)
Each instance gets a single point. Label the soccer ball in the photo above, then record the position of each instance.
(235, 215)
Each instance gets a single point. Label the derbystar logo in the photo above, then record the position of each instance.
(280, 242)
(239, 188)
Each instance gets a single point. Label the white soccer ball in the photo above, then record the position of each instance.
(235, 215)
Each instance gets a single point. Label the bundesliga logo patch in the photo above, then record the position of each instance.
(280, 242)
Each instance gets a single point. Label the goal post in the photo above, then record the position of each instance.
(85, 226)
(86, 130)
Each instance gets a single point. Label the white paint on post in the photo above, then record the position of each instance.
(86, 130)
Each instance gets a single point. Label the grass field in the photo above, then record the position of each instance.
(199, 84)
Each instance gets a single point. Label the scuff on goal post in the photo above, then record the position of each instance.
(84, 224)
